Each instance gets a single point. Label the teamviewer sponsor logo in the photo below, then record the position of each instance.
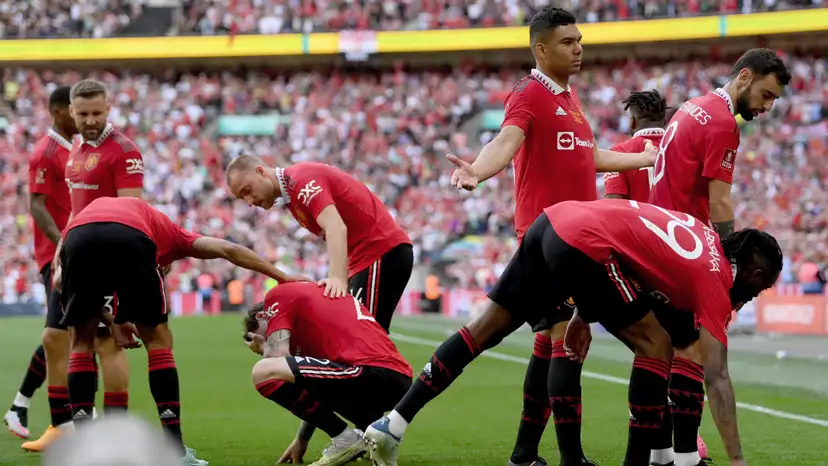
(307, 193)
(93, 187)
(567, 141)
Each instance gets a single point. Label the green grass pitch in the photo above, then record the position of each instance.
(473, 423)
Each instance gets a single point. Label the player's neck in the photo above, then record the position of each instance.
(559, 79)
(274, 180)
(731, 91)
(647, 125)
(62, 133)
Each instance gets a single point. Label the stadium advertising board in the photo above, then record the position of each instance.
(792, 314)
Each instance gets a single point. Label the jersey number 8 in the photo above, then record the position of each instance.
(668, 234)
(660, 163)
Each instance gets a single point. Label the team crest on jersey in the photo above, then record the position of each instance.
(728, 159)
(92, 161)
(577, 116)
(301, 218)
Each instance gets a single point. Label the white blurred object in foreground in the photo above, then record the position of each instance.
(117, 440)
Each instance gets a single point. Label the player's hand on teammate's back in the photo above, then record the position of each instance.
(255, 342)
(577, 339)
(295, 452)
(335, 287)
(124, 335)
(57, 278)
(464, 176)
(651, 151)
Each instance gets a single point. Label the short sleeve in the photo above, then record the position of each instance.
(184, 239)
(313, 190)
(616, 183)
(129, 169)
(720, 155)
(40, 176)
(714, 313)
(518, 111)
(277, 313)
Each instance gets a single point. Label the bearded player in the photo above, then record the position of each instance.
(105, 164)
(50, 209)
(547, 135)
(368, 251)
(97, 289)
(693, 174)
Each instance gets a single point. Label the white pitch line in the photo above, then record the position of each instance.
(616, 380)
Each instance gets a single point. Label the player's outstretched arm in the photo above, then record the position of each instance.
(611, 161)
(206, 247)
(721, 207)
(720, 393)
(497, 154)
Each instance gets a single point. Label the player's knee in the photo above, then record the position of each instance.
(157, 337)
(489, 324)
(271, 369)
(55, 341)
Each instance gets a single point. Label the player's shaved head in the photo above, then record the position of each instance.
(251, 180)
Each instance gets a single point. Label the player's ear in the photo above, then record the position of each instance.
(71, 111)
(260, 170)
(744, 77)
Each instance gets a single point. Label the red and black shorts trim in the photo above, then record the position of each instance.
(110, 267)
(546, 271)
(360, 394)
(380, 286)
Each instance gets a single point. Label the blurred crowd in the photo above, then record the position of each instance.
(102, 18)
(277, 16)
(391, 130)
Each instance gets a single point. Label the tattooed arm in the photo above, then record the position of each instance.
(720, 393)
(277, 344)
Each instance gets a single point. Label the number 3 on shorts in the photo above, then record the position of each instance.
(109, 304)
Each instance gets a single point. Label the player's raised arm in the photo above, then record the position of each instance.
(611, 161)
(720, 393)
(206, 247)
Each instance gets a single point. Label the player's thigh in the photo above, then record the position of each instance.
(387, 282)
(141, 295)
(647, 338)
(88, 276)
(680, 326)
(54, 313)
(370, 395)
(534, 282)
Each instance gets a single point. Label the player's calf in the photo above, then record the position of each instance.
(536, 404)
(115, 368)
(81, 371)
(687, 396)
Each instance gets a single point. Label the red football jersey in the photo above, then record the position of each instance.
(46, 176)
(340, 330)
(699, 145)
(100, 168)
(171, 241)
(556, 161)
(633, 184)
(309, 187)
(673, 254)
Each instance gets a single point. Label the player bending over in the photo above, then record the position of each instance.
(693, 174)
(648, 112)
(347, 367)
(110, 261)
(608, 255)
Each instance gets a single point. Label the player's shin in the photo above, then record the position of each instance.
(536, 404)
(647, 402)
(445, 365)
(297, 400)
(56, 345)
(687, 394)
(81, 378)
(35, 375)
(163, 382)
(662, 450)
(564, 383)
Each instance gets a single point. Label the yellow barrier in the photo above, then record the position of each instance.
(167, 47)
(784, 22)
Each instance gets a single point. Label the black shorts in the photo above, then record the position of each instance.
(680, 325)
(54, 313)
(111, 267)
(545, 272)
(360, 394)
(380, 286)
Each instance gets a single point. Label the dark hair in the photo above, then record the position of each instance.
(251, 323)
(547, 20)
(60, 97)
(646, 105)
(762, 62)
(742, 245)
(88, 88)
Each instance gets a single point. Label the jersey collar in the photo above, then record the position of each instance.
(280, 177)
(548, 83)
(721, 93)
(649, 132)
(104, 134)
(55, 136)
